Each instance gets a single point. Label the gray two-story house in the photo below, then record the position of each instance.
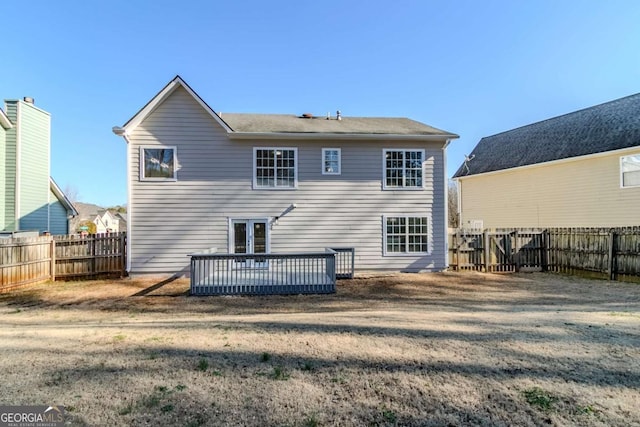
(268, 183)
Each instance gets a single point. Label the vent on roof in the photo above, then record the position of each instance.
(29, 100)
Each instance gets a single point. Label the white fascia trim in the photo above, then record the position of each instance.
(4, 120)
(338, 136)
(55, 189)
(135, 121)
(621, 151)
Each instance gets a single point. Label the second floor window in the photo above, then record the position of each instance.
(331, 161)
(275, 168)
(158, 163)
(403, 169)
(630, 169)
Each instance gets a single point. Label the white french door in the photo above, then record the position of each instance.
(250, 236)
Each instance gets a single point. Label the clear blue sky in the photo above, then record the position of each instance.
(475, 68)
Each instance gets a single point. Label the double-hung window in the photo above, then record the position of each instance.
(630, 171)
(275, 168)
(331, 161)
(403, 169)
(158, 164)
(404, 235)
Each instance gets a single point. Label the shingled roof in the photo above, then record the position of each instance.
(610, 126)
(289, 123)
(247, 126)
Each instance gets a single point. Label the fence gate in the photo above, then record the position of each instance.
(497, 250)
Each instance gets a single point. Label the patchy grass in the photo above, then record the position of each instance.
(539, 398)
(385, 350)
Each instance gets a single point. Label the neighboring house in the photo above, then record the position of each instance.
(106, 222)
(581, 169)
(122, 221)
(104, 219)
(29, 198)
(256, 183)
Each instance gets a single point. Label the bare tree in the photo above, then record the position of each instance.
(452, 195)
(72, 193)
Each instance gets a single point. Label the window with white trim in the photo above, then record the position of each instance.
(331, 162)
(275, 168)
(406, 235)
(158, 163)
(403, 168)
(630, 171)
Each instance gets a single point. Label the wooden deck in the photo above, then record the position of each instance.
(262, 274)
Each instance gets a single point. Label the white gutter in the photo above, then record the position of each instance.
(336, 136)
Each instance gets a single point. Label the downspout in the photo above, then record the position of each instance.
(446, 204)
(129, 205)
(123, 133)
(49, 178)
(459, 194)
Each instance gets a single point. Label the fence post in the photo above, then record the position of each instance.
(611, 268)
(123, 256)
(544, 255)
(52, 248)
(517, 250)
(487, 250)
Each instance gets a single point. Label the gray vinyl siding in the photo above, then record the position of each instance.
(214, 183)
(10, 170)
(34, 168)
(58, 223)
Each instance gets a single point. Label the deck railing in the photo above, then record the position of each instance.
(251, 274)
(345, 262)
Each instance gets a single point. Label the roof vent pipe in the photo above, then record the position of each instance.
(28, 100)
(338, 115)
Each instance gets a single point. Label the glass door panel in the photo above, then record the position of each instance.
(259, 242)
(240, 237)
(250, 237)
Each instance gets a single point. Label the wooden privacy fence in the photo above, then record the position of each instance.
(35, 259)
(612, 253)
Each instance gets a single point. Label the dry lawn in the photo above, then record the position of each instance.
(429, 350)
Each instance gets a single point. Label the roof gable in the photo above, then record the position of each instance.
(614, 125)
(161, 96)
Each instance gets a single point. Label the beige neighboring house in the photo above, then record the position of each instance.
(581, 169)
(107, 222)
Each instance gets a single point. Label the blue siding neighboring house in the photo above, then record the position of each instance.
(29, 198)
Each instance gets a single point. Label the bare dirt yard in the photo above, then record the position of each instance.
(444, 349)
